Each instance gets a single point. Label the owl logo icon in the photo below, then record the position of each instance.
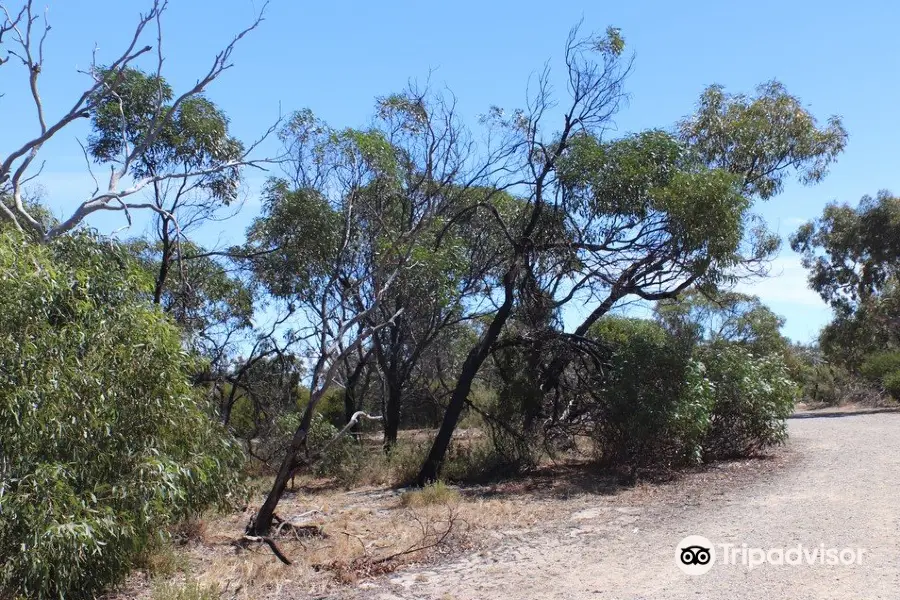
(694, 555)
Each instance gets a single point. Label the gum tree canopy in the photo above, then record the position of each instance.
(135, 119)
(645, 216)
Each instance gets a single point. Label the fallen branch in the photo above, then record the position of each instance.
(299, 531)
(271, 544)
(423, 544)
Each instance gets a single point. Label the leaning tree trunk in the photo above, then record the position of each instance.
(435, 460)
(261, 524)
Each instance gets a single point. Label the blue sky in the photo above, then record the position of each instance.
(335, 58)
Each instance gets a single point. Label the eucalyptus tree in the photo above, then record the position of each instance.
(445, 287)
(724, 318)
(853, 259)
(645, 216)
(136, 116)
(345, 228)
(186, 189)
(852, 254)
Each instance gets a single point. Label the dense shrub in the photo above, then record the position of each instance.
(883, 369)
(331, 406)
(652, 405)
(891, 384)
(753, 397)
(103, 442)
(338, 460)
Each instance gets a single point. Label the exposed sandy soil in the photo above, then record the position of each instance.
(835, 484)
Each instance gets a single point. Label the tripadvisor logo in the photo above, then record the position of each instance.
(695, 555)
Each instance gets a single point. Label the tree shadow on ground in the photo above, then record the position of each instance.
(830, 413)
(558, 481)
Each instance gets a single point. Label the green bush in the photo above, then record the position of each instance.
(331, 406)
(243, 417)
(883, 369)
(753, 397)
(891, 383)
(337, 461)
(878, 365)
(652, 404)
(103, 442)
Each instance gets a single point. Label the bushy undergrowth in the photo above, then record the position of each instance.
(883, 369)
(824, 384)
(753, 397)
(664, 403)
(103, 442)
(652, 404)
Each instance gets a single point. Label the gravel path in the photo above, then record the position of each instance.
(836, 485)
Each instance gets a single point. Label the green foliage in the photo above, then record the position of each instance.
(296, 240)
(202, 297)
(664, 402)
(648, 191)
(653, 405)
(501, 453)
(195, 134)
(878, 365)
(330, 406)
(823, 383)
(338, 460)
(883, 368)
(891, 384)
(762, 138)
(753, 397)
(724, 317)
(243, 417)
(104, 442)
(853, 259)
(852, 254)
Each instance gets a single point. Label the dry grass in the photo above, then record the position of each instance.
(434, 494)
(367, 532)
(168, 590)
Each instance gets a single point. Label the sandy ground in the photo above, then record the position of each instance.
(835, 484)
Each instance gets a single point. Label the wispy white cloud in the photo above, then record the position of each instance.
(787, 284)
(794, 222)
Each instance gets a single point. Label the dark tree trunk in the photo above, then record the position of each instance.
(435, 460)
(164, 263)
(392, 411)
(351, 398)
(263, 521)
(349, 403)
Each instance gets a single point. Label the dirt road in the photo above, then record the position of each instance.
(837, 487)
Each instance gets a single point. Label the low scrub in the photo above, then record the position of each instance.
(435, 494)
(753, 397)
